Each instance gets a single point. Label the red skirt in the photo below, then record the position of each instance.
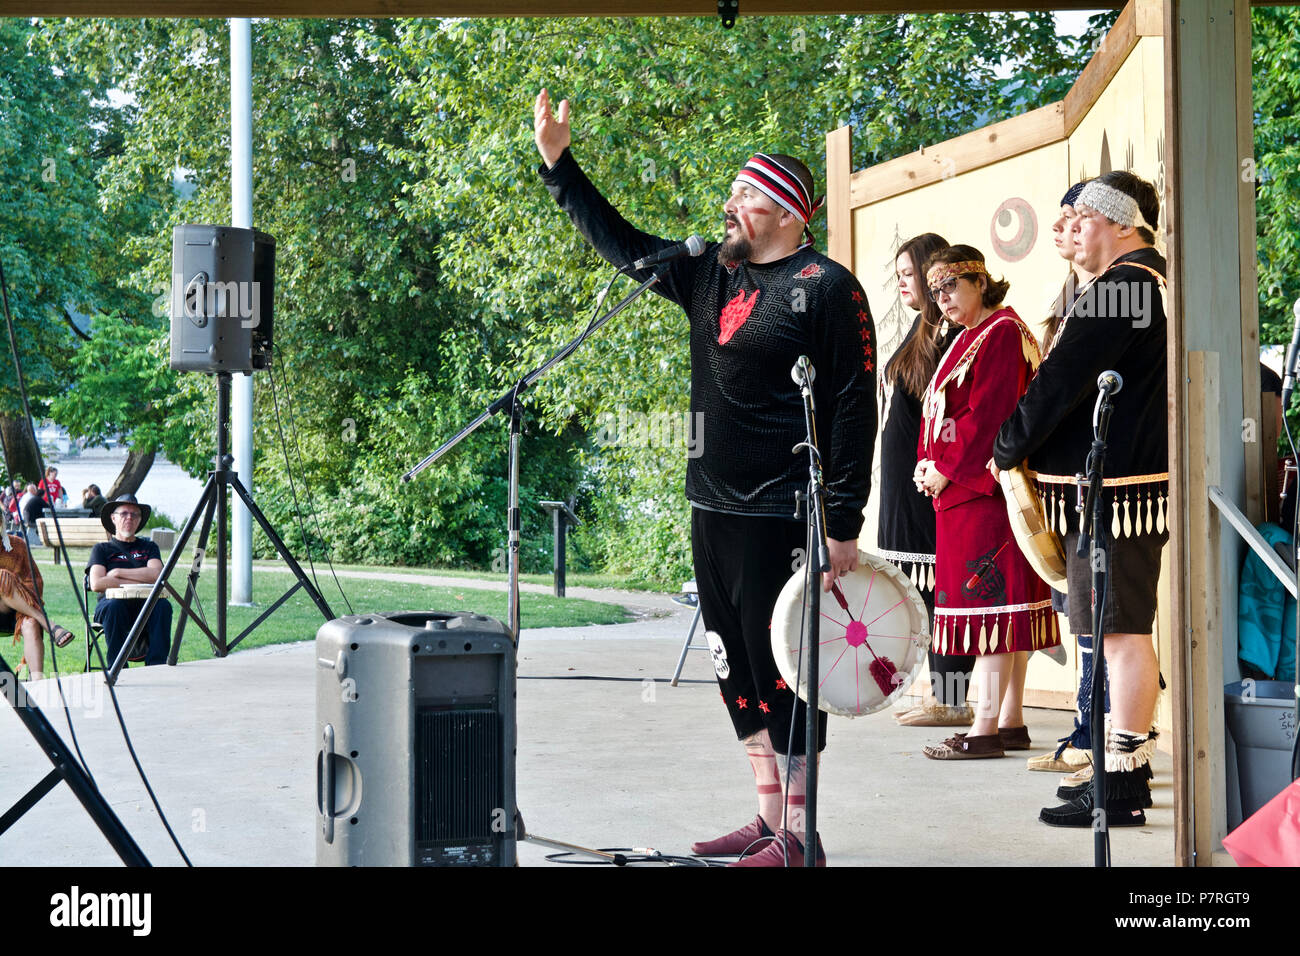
(988, 600)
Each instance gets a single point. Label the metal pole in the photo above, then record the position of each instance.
(561, 523)
(241, 216)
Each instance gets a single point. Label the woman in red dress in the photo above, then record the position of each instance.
(988, 601)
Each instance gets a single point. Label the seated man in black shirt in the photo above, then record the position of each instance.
(123, 560)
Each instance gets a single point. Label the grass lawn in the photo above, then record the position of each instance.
(298, 618)
(571, 578)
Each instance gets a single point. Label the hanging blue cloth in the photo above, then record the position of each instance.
(1266, 613)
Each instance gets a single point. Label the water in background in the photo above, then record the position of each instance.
(166, 488)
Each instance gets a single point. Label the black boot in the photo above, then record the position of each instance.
(1071, 793)
(1127, 795)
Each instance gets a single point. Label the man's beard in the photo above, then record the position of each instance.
(737, 249)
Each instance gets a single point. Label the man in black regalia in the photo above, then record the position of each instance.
(1117, 323)
(755, 302)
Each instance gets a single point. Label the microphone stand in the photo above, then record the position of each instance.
(1288, 385)
(1093, 542)
(814, 511)
(509, 402)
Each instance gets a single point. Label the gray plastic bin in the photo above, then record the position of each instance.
(1261, 721)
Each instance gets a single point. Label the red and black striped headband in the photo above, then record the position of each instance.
(780, 185)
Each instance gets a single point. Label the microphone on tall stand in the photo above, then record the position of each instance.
(1288, 377)
(803, 371)
(691, 247)
(1109, 383)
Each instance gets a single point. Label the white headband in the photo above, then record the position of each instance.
(1115, 204)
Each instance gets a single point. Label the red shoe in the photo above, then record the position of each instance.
(772, 854)
(753, 835)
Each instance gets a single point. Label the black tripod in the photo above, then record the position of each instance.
(65, 768)
(215, 500)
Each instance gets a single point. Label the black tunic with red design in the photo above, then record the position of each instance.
(749, 324)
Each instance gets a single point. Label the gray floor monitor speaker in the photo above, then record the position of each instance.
(415, 763)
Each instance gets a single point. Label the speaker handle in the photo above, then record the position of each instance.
(325, 779)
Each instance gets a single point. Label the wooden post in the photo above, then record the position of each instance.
(1205, 743)
(839, 217)
(1211, 259)
(1176, 392)
(1257, 455)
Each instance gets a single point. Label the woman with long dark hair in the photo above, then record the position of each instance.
(906, 535)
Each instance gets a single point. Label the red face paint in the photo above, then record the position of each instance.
(749, 227)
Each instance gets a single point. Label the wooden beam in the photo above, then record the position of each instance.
(1176, 397)
(1150, 20)
(501, 8)
(1207, 57)
(1204, 644)
(1115, 47)
(1257, 455)
(839, 217)
(1011, 137)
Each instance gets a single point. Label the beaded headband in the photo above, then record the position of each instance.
(941, 272)
(1115, 204)
(1071, 196)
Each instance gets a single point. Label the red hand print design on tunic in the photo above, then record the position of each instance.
(734, 314)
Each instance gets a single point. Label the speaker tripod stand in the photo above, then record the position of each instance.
(214, 502)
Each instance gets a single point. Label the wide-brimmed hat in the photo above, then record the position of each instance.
(106, 512)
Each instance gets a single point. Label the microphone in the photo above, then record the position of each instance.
(803, 371)
(1110, 382)
(691, 247)
(1288, 378)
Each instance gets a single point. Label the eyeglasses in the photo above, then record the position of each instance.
(947, 287)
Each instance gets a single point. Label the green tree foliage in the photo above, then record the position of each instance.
(50, 236)
(69, 254)
(359, 311)
(665, 112)
(1275, 71)
(421, 267)
(124, 386)
(1276, 68)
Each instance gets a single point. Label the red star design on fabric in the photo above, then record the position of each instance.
(867, 350)
(856, 296)
(762, 705)
(742, 703)
(867, 366)
(865, 334)
(862, 316)
(781, 684)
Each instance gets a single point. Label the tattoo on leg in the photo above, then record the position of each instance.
(767, 781)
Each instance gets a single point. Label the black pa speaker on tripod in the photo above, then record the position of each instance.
(223, 283)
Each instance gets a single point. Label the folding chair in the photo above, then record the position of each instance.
(96, 632)
(690, 597)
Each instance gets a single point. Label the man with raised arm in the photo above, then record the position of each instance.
(756, 302)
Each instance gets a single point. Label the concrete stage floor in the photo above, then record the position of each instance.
(609, 755)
